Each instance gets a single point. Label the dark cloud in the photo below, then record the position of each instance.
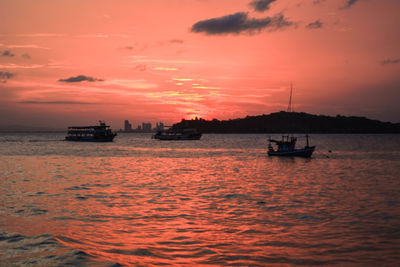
(7, 53)
(80, 78)
(6, 75)
(390, 61)
(314, 25)
(261, 5)
(238, 23)
(56, 102)
(350, 3)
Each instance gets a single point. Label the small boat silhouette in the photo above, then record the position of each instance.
(185, 134)
(287, 145)
(287, 148)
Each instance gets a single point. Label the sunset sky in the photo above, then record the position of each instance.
(71, 62)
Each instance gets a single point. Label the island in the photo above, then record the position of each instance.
(290, 122)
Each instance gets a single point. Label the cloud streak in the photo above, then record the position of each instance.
(15, 66)
(28, 46)
(350, 3)
(238, 23)
(5, 75)
(80, 78)
(41, 35)
(7, 53)
(143, 59)
(56, 102)
(314, 25)
(390, 61)
(261, 5)
(165, 68)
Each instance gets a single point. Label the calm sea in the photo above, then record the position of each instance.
(217, 201)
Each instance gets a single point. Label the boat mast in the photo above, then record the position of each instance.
(289, 109)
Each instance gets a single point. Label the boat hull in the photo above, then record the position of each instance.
(89, 139)
(177, 137)
(304, 152)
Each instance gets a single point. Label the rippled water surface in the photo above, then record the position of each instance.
(217, 201)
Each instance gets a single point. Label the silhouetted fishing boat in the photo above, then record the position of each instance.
(287, 148)
(98, 133)
(186, 134)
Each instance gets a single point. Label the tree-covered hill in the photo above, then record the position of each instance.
(291, 122)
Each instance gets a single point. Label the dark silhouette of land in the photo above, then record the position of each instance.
(291, 122)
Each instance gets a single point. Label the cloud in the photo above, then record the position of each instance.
(238, 23)
(390, 61)
(56, 102)
(165, 68)
(261, 5)
(15, 66)
(350, 3)
(126, 85)
(80, 78)
(28, 46)
(314, 25)
(7, 53)
(102, 35)
(144, 59)
(96, 35)
(5, 75)
(41, 35)
(183, 79)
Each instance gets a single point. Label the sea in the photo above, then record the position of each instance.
(218, 201)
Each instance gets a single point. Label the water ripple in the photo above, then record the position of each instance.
(221, 201)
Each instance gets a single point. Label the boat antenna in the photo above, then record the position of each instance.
(289, 109)
(308, 144)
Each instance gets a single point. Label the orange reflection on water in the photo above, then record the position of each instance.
(188, 210)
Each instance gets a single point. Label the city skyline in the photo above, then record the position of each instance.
(143, 127)
(76, 62)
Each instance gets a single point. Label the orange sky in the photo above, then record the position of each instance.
(77, 61)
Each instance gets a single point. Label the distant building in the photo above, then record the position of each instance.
(146, 127)
(159, 126)
(128, 126)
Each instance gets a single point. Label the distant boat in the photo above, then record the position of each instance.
(287, 148)
(98, 133)
(186, 134)
(287, 145)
